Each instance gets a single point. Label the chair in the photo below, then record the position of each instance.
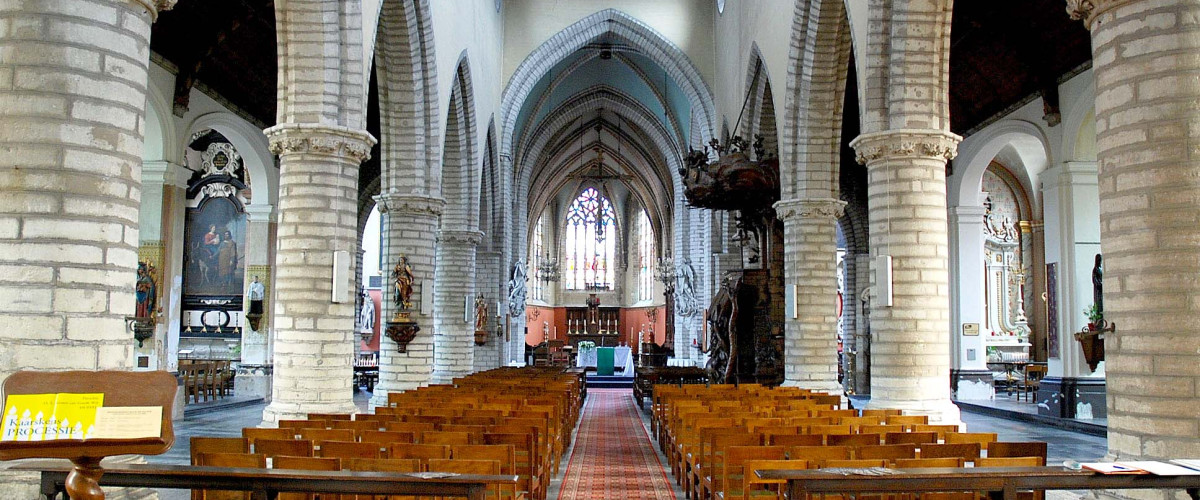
(818, 454)
(983, 438)
(967, 451)
(253, 434)
(288, 447)
(1010, 462)
(481, 467)
(301, 424)
(422, 452)
(306, 463)
(853, 440)
(439, 437)
(504, 454)
(349, 449)
(384, 438)
(941, 429)
(198, 445)
(380, 465)
(243, 460)
(558, 357)
(796, 440)
(887, 452)
(330, 416)
(751, 482)
(910, 438)
(733, 471)
(1017, 449)
(1033, 380)
(922, 463)
(317, 435)
(853, 464)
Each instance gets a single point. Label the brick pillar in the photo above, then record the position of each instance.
(409, 228)
(454, 344)
(1147, 131)
(906, 190)
(810, 270)
(318, 215)
(73, 96)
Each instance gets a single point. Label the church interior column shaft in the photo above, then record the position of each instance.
(1147, 128)
(409, 229)
(810, 273)
(454, 347)
(970, 376)
(318, 213)
(910, 350)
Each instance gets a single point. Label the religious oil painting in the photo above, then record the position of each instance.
(215, 255)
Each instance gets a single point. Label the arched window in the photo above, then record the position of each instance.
(591, 235)
(535, 260)
(645, 258)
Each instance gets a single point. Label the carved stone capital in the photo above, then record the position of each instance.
(790, 211)
(155, 6)
(460, 238)
(1089, 10)
(906, 143)
(326, 140)
(397, 204)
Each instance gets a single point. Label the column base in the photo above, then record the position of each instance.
(1072, 397)
(253, 381)
(277, 411)
(940, 412)
(972, 385)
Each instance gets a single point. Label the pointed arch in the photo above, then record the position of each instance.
(460, 179)
(408, 112)
(813, 105)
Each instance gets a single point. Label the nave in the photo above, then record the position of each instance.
(611, 455)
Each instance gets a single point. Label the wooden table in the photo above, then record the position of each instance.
(266, 484)
(1007, 480)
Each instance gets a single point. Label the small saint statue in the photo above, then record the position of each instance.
(255, 293)
(146, 291)
(402, 277)
(366, 315)
(481, 310)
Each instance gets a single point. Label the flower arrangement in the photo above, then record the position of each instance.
(1094, 315)
(586, 345)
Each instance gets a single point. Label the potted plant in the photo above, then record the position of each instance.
(1095, 317)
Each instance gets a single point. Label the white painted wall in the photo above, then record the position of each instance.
(473, 28)
(744, 24)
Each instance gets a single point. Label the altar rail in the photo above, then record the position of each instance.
(1007, 480)
(266, 484)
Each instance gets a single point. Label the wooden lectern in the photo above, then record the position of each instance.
(120, 388)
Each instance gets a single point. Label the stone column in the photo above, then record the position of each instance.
(810, 276)
(318, 215)
(1147, 131)
(1071, 202)
(487, 282)
(161, 217)
(862, 323)
(969, 376)
(73, 96)
(410, 229)
(454, 344)
(906, 190)
(254, 372)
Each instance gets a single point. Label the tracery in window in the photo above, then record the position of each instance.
(645, 258)
(535, 260)
(591, 242)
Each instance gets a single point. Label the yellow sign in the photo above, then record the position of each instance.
(47, 417)
(971, 329)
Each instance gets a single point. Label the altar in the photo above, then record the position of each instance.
(622, 358)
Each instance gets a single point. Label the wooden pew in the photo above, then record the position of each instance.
(266, 484)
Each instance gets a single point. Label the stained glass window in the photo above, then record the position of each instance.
(591, 235)
(645, 258)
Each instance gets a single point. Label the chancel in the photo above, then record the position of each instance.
(604, 248)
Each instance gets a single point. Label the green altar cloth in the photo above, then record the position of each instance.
(605, 357)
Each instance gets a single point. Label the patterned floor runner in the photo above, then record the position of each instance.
(613, 457)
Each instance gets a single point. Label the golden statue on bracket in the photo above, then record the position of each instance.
(402, 329)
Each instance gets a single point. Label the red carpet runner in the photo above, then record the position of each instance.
(613, 457)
